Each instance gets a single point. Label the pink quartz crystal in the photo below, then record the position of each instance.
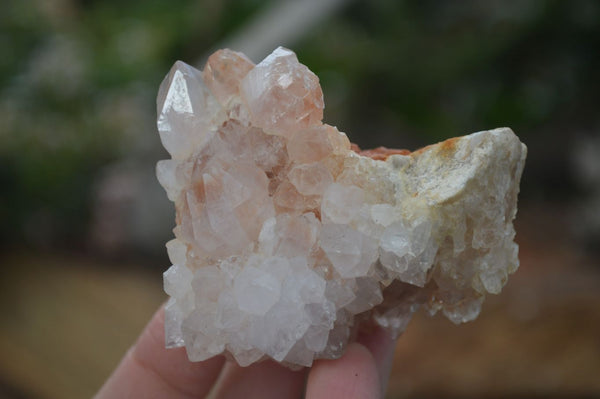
(288, 241)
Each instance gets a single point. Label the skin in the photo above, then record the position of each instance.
(148, 370)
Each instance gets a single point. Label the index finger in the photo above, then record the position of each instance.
(149, 370)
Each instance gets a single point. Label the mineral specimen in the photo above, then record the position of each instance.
(288, 241)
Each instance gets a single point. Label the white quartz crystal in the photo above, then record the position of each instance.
(287, 240)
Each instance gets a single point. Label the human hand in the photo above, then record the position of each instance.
(149, 370)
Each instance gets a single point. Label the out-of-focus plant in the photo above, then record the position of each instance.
(78, 81)
(446, 68)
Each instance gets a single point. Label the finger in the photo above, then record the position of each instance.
(261, 380)
(381, 345)
(354, 375)
(149, 370)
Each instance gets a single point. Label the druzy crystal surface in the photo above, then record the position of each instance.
(288, 240)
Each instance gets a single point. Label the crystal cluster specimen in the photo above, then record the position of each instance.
(288, 240)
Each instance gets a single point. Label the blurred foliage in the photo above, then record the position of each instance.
(78, 81)
(441, 69)
(77, 86)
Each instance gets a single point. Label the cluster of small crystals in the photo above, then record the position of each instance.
(287, 240)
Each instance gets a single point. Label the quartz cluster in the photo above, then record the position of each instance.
(288, 239)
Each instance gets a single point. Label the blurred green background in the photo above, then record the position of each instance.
(83, 220)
